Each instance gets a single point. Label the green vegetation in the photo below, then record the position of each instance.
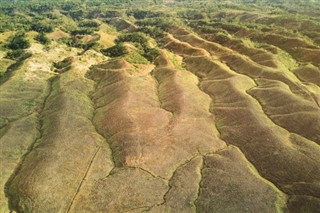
(82, 20)
(18, 55)
(42, 39)
(151, 53)
(142, 54)
(133, 37)
(18, 41)
(136, 58)
(42, 27)
(115, 51)
(89, 23)
(14, 54)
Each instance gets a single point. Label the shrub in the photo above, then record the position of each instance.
(115, 51)
(42, 39)
(18, 41)
(18, 55)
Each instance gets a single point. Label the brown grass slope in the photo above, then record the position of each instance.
(308, 73)
(242, 122)
(246, 66)
(289, 111)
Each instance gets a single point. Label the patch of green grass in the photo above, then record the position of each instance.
(135, 58)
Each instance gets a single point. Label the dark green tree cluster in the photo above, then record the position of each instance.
(86, 27)
(42, 27)
(163, 24)
(142, 14)
(115, 51)
(77, 14)
(82, 31)
(112, 14)
(151, 53)
(41, 6)
(137, 37)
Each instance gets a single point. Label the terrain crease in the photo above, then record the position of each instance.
(233, 53)
(250, 96)
(199, 185)
(83, 179)
(253, 79)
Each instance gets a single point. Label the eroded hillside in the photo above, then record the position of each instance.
(178, 107)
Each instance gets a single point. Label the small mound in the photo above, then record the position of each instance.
(162, 60)
(115, 64)
(122, 24)
(179, 31)
(57, 34)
